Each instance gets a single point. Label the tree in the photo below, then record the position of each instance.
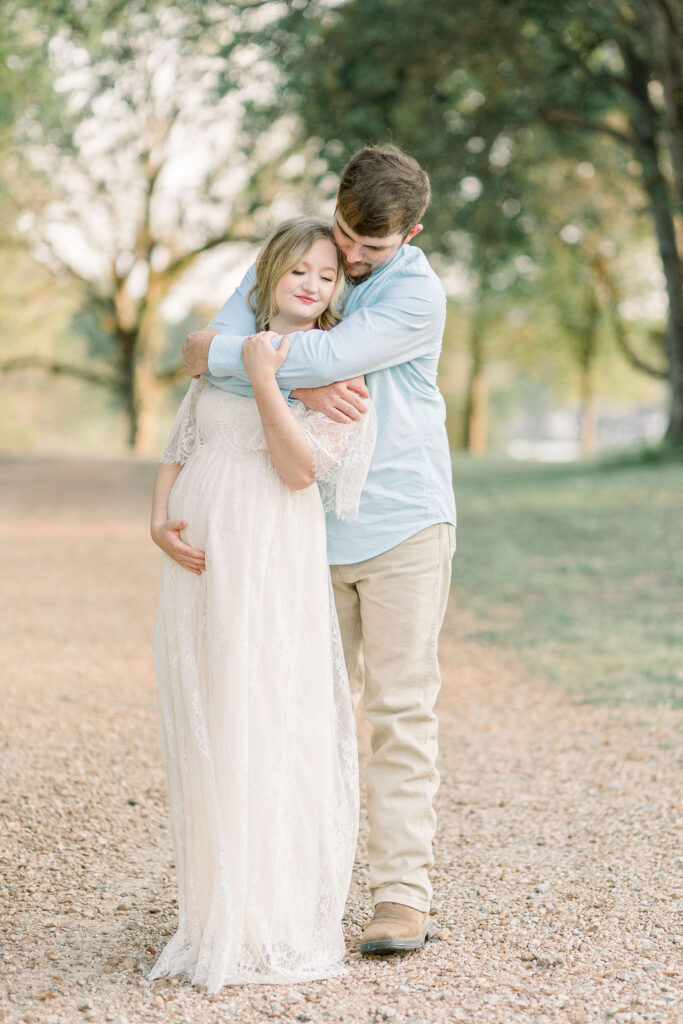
(136, 169)
(351, 82)
(583, 270)
(511, 80)
(624, 66)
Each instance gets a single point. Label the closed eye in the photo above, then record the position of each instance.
(370, 248)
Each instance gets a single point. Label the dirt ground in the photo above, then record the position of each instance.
(559, 875)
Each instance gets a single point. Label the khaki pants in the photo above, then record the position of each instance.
(390, 612)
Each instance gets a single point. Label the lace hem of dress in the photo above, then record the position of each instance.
(183, 437)
(342, 453)
(252, 967)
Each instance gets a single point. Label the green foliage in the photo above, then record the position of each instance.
(467, 96)
(501, 107)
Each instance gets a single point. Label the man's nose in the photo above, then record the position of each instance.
(354, 253)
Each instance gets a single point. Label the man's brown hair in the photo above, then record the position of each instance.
(383, 191)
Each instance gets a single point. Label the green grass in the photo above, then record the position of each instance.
(579, 569)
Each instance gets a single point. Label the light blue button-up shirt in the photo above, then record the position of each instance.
(391, 332)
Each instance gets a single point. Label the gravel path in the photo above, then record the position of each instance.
(559, 880)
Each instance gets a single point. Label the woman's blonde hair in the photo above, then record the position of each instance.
(284, 250)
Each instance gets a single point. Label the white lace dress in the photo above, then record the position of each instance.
(257, 730)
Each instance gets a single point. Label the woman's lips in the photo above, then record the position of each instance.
(305, 298)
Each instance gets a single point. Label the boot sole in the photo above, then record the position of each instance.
(381, 947)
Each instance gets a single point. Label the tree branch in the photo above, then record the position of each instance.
(61, 370)
(173, 270)
(102, 302)
(181, 264)
(554, 115)
(61, 267)
(633, 358)
(605, 277)
(669, 16)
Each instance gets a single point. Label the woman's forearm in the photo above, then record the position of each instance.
(287, 442)
(167, 475)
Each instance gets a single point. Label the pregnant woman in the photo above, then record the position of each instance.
(257, 731)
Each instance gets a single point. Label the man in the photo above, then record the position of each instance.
(391, 567)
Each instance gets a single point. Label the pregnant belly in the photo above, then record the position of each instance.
(194, 495)
(230, 501)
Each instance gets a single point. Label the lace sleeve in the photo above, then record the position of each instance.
(182, 439)
(341, 458)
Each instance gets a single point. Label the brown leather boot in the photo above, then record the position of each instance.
(395, 928)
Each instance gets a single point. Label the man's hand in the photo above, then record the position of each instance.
(196, 351)
(344, 402)
(167, 537)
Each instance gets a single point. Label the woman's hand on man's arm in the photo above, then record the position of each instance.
(344, 402)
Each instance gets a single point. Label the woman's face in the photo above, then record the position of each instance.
(304, 292)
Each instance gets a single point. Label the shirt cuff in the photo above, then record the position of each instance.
(225, 355)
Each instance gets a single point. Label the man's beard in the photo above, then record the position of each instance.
(358, 279)
(355, 280)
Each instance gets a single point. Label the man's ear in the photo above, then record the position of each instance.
(413, 231)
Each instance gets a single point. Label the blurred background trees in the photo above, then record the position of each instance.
(130, 168)
(489, 104)
(155, 144)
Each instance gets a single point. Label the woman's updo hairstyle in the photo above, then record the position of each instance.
(282, 252)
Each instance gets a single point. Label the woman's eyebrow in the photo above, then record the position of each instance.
(305, 263)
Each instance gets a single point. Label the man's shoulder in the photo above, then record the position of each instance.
(414, 264)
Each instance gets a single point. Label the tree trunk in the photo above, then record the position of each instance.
(666, 32)
(149, 389)
(644, 124)
(149, 394)
(127, 344)
(476, 402)
(588, 414)
(587, 350)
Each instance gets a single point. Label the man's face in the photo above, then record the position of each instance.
(362, 254)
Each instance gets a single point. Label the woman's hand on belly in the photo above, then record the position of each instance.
(167, 536)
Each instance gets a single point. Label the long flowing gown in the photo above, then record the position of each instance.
(257, 730)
